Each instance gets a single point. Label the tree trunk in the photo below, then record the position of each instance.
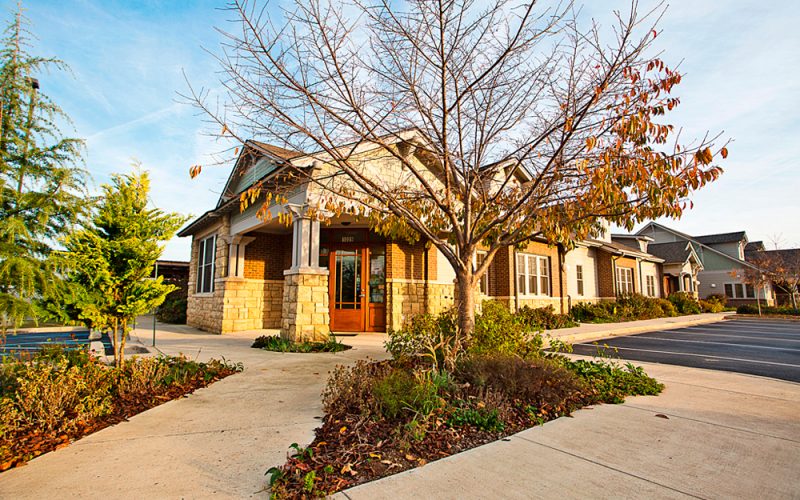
(123, 338)
(465, 307)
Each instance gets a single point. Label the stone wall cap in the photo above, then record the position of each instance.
(320, 271)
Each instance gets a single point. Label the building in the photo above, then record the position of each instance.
(720, 262)
(253, 272)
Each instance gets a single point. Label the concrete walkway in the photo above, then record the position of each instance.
(217, 442)
(588, 332)
(708, 435)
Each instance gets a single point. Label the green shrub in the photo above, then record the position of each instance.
(667, 309)
(777, 310)
(718, 298)
(685, 303)
(279, 344)
(486, 419)
(538, 381)
(431, 337)
(610, 383)
(499, 331)
(710, 307)
(402, 391)
(173, 310)
(544, 318)
(586, 312)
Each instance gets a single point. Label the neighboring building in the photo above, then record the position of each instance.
(721, 261)
(788, 258)
(308, 279)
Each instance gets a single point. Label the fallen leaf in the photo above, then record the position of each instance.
(343, 430)
(661, 415)
(410, 457)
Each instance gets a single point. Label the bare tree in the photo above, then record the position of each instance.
(782, 269)
(528, 122)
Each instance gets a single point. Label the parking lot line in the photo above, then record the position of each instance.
(720, 334)
(722, 343)
(707, 356)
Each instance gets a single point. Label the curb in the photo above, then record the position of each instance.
(630, 330)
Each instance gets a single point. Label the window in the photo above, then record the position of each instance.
(579, 276)
(739, 291)
(651, 286)
(483, 286)
(205, 264)
(533, 274)
(624, 280)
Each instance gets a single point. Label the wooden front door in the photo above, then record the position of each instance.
(357, 284)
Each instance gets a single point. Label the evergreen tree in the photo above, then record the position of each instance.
(112, 258)
(42, 191)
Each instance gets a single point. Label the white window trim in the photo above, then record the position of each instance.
(650, 285)
(525, 271)
(626, 271)
(580, 280)
(744, 290)
(200, 285)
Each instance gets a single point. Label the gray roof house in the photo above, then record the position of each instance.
(721, 257)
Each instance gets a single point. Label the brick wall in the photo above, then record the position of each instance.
(205, 311)
(605, 275)
(406, 261)
(267, 256)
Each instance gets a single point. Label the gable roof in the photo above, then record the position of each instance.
(713, 239)
(277, 151)
(693, 240)
(616, 248)
(676, 252)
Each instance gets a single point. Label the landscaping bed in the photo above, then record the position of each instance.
(440, 395)
(59, 396)
(278, 344)
(786, 312)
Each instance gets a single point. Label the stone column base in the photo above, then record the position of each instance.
(305, 315)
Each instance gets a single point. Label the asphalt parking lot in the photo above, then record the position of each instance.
(770, 348)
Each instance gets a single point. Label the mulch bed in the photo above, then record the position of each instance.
(27, 446)
(351, 451)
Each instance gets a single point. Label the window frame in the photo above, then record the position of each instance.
(628, 282)
(650, 284)
(540, 262)
(579, 279)
(201, 287)
(735, 286)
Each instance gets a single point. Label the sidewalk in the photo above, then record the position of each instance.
(588, 332)
(708, 435)
(217, 442)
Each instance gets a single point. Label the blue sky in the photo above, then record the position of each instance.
(741, 61)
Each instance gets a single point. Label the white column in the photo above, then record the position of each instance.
(236, 245)
(680, 282)
(305, 240)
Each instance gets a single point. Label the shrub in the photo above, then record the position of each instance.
(718, 298)
(173, 310)
(540, 381)
(486, 419)
(667, 309)
(710, 307)
(636, 306)
(777, 310)
(586, 312)
(279, 344)
(434, 338)
(349, 389)
(610, 383)
(544, 318)
(402, 391)
(497, 330)
(685, 303)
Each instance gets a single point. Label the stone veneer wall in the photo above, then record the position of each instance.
(305, 313)
(206, 311)
(406, 298)
(251, 304)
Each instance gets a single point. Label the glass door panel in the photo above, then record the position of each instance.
(347, 292)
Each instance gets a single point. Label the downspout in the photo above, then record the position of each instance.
(614, 274)
(641, 283)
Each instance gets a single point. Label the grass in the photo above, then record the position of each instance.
(278, 344)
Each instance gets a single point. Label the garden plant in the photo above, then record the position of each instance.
(388, 416)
